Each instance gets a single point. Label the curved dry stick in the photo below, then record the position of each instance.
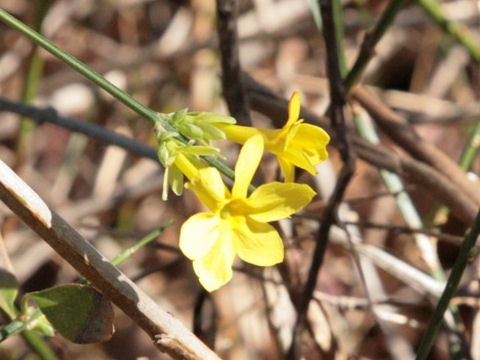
(170, 334)
(462, 205)
(397, 128)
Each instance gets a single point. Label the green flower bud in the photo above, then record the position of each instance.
(163, 154)
(179, 116)
(176, 180)
(207, 117)
(212, 133)
(190, 130)
(203, 150)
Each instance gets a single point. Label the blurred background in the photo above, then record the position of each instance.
(166, 55)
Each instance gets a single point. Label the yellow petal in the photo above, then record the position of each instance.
(300, 158)
(198, 234)
(185, 165)
(247, 163)
(275, 201)
(209, 188)
(293, 109)
(237, 133)
(292, 133)
(288, 169)
(215, 269)
(257, 243)
(313, 140)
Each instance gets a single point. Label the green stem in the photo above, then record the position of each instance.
(457, 31)
(370, 41)
(34, 73)
(124, 255)
(80, 67)
(12, 328)
(471, 149)
(464, 254)
(16, 326)
(468, 155)
(394, 184)
(34, 340)
(411, 217)
(26, 124)
(38, 345)
(98, 79)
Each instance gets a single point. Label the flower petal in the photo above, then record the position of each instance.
(288, 169)
(237, 133)
(293, 109)
(209, 188)
(275, 201)
(313, 139)
(291, 133)
(185, 165)
(198, 234)
(298, 157)
(215, 269)
(257, 243)
(247, 163)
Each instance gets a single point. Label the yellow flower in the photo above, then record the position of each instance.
(180, 159)
(237, 223)
(296, 144)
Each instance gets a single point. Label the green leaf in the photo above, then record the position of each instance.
(8, 293)
(78, 312)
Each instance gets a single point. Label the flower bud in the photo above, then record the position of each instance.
(190, 130)
(206, 117)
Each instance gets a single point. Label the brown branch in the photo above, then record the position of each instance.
(172, 336)
(232, 84)
(436, 182)
(336, 113)
(404, 135)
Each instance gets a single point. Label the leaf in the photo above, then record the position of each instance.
(78, 312)
(8, 293)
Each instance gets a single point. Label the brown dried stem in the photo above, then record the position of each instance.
(171, 335)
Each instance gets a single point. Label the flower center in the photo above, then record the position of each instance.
(225, 213)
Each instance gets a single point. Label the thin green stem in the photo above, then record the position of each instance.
(370, 41)
(38, 345)
(411, 217)
(457, 31)
(127, 253)
(34, 73)
(16, 326)
(30, 89)
(471, 149)
(403, 201)
(124, 255)
(464, 254)
(468, 155)
(12, 328)
(98, 79)
(80, 67)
